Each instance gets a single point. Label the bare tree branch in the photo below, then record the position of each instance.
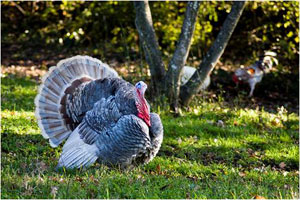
(215, 52)
(181, 53)
(144, 25)
(19, 8)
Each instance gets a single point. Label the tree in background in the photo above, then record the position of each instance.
(169, 83)
(101, 29)
(43, 31)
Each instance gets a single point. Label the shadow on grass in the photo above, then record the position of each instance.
(243, 157)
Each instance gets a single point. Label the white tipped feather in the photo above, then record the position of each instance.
(76, 153)
(51, 91)
(270, 53)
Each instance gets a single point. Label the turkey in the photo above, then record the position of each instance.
(101, 116)
(188, 73)
(254, 73)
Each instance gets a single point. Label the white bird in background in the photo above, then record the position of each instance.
(188, 73)
(254, 73)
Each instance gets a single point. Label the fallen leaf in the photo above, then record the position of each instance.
(220, 123)
(130, 181)
(242, 174)
(40, 179)
(287, 186)
(193, 178)
(158, 169)
(28, 191)
(282, 165)
(79, 179)
(41, 166)
(179, 141)
(92, 178)
(54, 191)
(197, 187)
(250, 152)
(276, 122)
(259, 197)
(188, 195)
(23, 165)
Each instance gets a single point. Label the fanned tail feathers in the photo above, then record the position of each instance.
(49, 101)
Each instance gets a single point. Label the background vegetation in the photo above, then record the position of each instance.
(108, 27)
(42, 33)
(224, 146)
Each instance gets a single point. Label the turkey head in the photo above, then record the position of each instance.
(141, 103)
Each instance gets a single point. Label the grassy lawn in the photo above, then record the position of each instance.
(253, 152)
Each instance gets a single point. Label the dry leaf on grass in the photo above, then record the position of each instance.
(220, 123)
(259, 197)
(242, 174)
(282, 165)
(54, 190)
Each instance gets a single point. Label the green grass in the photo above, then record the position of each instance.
(198, 159)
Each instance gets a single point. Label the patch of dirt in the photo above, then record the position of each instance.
(20, 71)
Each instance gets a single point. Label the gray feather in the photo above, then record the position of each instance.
(76, 153)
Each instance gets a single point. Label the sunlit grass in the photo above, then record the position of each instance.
(253, 152)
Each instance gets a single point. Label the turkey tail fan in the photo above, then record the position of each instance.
(50, 110)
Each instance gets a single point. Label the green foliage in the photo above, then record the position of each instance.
(254, 152)
(270, 25)
(108, 27)
(69, 23)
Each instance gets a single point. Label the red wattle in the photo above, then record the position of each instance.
(235, 78)
(143, 110)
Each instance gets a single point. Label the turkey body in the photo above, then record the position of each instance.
(188, 73)
(84, 101)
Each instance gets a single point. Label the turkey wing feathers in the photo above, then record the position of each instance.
(103, 116)
(84, 97)
(125, 142)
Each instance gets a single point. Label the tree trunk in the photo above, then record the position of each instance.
(181, 53)
(144, 25)
(208, 63)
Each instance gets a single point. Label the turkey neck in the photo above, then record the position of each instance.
(142, 107)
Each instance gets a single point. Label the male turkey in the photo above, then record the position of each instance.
(102, 116)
